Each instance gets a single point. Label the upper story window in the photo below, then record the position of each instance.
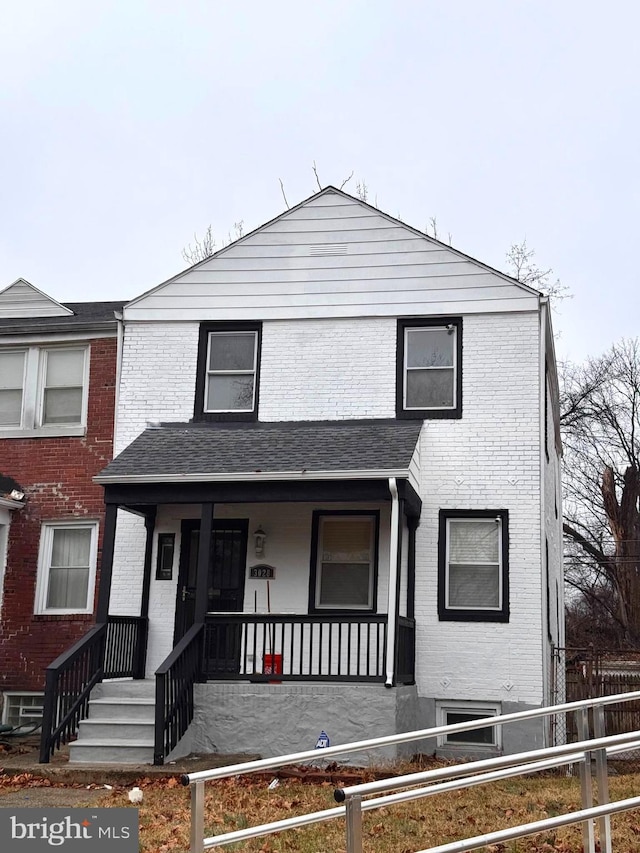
(228, 372)
(473, 565)
(429, 368)
(43, 390)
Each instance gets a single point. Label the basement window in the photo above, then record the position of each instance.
(22, 709)
(450, 713)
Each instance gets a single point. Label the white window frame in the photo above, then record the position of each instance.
(44, 565)
(25, 352)
(22, 694)
(32, 416)
(372, 561)
(252, 372)
(482, 709)
(498, 565)
(450, 329)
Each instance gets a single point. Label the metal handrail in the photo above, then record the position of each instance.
(391, 740)
(510, 765)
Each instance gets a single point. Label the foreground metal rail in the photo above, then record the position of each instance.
(500, 767)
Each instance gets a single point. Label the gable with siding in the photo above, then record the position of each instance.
(22, 299)
(332, 256)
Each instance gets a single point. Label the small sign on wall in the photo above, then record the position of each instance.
(262, 572)
(164, 564)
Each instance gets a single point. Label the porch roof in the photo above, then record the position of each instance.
(189, 452)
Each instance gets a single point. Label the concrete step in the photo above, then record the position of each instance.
(113, 708)
(130, 689)
(114, 752)
(106, 731)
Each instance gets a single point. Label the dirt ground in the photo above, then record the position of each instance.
(60, 784)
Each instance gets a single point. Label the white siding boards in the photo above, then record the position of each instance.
(332, 256)
(22, 299)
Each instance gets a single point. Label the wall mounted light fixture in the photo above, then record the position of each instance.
(260, 538)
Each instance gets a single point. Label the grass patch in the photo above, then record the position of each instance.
(237, 803)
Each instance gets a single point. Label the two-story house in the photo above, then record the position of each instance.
(335, 499)
(57, 398)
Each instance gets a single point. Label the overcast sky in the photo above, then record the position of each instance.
(126, 126)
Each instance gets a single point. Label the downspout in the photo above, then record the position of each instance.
(544, 607)
(392, 605)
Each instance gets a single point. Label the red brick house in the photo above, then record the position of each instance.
(58, 366)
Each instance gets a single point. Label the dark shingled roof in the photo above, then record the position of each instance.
(218, 449)
(85, 315)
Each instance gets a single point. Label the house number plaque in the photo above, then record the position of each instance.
(262, 572)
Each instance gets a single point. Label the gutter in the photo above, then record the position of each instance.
(253, 476)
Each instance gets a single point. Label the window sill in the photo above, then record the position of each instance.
(429, 414)
(63, 617)
(473, 616)
(45, 432)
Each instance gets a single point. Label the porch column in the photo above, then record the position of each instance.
(150, 526)
(395, 543)
(412, 524)
(204, 553)
(106, 563)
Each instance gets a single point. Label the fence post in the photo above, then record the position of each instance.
(586, 788)
(354, 824)
(197, 818)
(602, 779)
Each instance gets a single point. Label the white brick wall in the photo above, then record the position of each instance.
(487, 460)
(328, 369)
(317, 369)
(158, 377)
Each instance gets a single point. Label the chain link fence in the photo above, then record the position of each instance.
(578, 674)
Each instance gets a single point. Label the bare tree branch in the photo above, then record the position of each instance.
(315, 172)
(346, 181)
(283, 195)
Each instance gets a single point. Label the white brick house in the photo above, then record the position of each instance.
(384, 410)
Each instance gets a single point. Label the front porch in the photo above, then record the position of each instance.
(331, 601)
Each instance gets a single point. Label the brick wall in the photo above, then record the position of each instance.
(56, 476)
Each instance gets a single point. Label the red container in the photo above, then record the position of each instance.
(272, 665)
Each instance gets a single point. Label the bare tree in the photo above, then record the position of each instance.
(601, 435)
(203, 247)
(522, 266)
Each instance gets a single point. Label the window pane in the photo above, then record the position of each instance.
(62, 406)
(345, 584)
(232, 351)
(10, 408)
(346, 540)
(71, 547)
(68, 588)
(64, 368)
(484, 735)
(430, 389)
(11, 370)
(230, 393)
(474, 587)
(430, 348)
(474, 541)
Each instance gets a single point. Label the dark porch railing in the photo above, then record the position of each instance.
(315, 647)
(406, 651)
(175, 679)
(112, 649)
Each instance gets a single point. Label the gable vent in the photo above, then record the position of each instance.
(328, 249)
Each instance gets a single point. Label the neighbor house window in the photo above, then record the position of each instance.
(67, 566)
(43, 390)
(473, 577)
(228, 367)
(344, 567)
(22, 709)
(450, 713)
(429, 377)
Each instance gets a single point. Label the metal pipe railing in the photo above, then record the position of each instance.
(499, 767)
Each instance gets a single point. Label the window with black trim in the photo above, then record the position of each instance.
(344, 560)
(473, 565)
(429, 368)
(228, 371)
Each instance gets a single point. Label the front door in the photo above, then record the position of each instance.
(225, 586)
